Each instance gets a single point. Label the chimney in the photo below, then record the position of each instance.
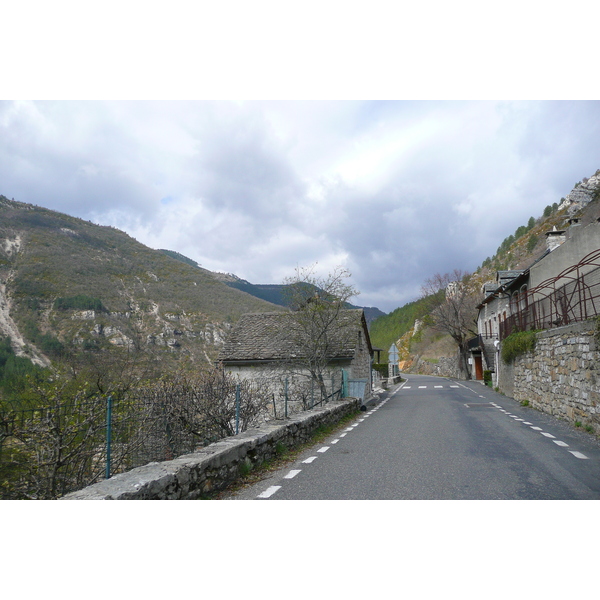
(574, 223)
(555, 238)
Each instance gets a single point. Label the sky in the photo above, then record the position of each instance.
(394, 191)
(258, 139)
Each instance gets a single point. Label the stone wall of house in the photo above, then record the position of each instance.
(213, 468)
(561, 376)
(360, 368)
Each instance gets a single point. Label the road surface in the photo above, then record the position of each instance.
(433, 438)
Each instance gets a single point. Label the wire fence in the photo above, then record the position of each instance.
(49, 451)
(571, 296)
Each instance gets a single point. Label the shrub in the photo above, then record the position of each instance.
(81, 302)
(517, 344)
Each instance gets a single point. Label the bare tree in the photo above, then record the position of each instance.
(453, 310)
(319, 327)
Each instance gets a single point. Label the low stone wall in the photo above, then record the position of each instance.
(561, 376)
(214, 467)
(444, 367)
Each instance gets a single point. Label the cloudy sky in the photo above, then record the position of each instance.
(413, 180)
(393, 190)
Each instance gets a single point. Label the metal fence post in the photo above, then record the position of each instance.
(237, 408)
(108, 434)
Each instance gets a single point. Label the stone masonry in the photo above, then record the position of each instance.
(213, 468)
(561, 376)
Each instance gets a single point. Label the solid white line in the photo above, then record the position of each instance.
(323, 449)
(269, 491)
(548, 435)
(309, 460)
(577, 454)
(292, 473)
(559, 443)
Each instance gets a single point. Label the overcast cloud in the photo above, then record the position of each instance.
(395, 191)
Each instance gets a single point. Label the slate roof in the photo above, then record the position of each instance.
(269, 336)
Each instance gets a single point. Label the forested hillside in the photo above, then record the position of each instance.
(69, 286)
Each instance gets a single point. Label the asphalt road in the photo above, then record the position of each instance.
(436, 438)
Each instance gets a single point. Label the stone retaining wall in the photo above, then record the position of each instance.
(213, 468)
(561, 376)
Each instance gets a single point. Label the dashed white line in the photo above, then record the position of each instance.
(335, 441)
(578, 454)
(536, 428)
(422, 387)
(548, 435)
(343, 434)
(527, 423)
(309, 459)
(559, 443)
(323, 449)
(292, 473)
(269, 491)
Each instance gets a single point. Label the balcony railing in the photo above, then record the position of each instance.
(572, 296)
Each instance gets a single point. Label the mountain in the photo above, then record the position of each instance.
(276, 294)
(66, 283)
(517, 251)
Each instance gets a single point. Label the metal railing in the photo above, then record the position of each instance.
(572, 296)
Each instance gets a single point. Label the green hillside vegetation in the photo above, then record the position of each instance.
(388, 329)
(74, 285)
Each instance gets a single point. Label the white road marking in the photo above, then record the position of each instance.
(408, 387)
(577, 454)
(536, 428)
(548, 435)
(422, 387)
(343, 434)
(269, 491)
(323, 449)
(454, 386)
(526, 423)
(349, 429)
(559, 443)
(292, 473)
(309, 460)
(438, 386)
(335, 441)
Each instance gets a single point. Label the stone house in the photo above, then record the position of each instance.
(263, 346)
(515, 301)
